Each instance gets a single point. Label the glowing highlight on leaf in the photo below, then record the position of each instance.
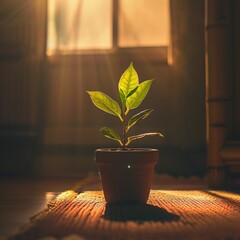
(136, 98)
(105, 103)
(142, 115)
(128, 81)
(130, 139)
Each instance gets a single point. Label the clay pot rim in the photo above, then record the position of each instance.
(120, 156)
(128, 150)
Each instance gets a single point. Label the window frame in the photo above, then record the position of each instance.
(158, 53)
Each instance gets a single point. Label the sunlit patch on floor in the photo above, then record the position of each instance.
(174, 214)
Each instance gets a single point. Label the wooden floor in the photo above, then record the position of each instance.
(20, 199)
(177, 208)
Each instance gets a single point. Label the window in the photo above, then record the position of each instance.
(89, 25)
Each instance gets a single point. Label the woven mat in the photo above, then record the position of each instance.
(169, 214)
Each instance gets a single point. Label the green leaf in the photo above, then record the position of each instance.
(105, 103)
(128, 81)
(134, 119)
(109, 133)
(132, 92)
(122, 98)
(130, 139)
(136, 99)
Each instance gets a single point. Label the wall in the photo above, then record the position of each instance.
(236, 37)
(67, 123)
(21, 52)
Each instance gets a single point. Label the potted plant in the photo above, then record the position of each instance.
(126, 173)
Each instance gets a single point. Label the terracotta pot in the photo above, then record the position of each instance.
(126, 175)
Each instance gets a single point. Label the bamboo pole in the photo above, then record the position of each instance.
(218, 86)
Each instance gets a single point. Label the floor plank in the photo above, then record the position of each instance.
(20, 199)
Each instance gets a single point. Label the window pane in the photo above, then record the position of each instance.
(143, 23)
(79, 24)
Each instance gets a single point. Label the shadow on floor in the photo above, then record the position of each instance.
(138, 212)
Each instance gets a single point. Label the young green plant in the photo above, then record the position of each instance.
(131, 94)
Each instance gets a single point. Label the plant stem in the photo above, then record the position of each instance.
(124, 128)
